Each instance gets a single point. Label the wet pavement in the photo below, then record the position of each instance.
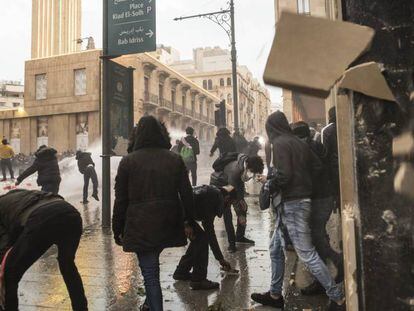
(113, 281)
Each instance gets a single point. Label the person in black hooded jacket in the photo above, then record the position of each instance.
(209, 203)
(296, 167)
(30, 223)
(47, 167)
(86, 167)
(154, 206)
(223, 142)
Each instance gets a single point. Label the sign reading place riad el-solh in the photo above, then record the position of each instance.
(131, 26)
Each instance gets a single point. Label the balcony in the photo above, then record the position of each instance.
(150, 100)
(177, 109)
(197, 116)
(165, 104)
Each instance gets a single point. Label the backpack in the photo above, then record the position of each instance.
(219, 179)
(187, 154)
(224, 159)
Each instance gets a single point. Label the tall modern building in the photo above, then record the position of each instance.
(56, 27)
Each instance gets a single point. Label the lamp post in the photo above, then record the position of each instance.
(226, 20)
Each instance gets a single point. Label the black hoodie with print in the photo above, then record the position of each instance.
(296, 165)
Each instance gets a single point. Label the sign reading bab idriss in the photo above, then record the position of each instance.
(131, 26)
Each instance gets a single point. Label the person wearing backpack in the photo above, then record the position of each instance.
(189, 149)
(235, 170)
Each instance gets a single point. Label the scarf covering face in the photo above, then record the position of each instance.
(150, 133)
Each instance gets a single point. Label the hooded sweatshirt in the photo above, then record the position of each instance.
(46, 165)
(295, 164)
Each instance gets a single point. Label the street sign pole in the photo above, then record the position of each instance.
(234, 67)
(129, 27)
(106, 128)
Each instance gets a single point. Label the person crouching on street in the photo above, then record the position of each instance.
(86, 167)
(153, 207)
(47, 167)
(209, 203)
(30, 223)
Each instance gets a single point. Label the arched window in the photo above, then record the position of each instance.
(221, 82)
(205, 84)
(210, 84)
(228, 81)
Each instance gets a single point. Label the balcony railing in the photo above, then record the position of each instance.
(197, 115)
(150, 98)
(178, 108)
(165, 103)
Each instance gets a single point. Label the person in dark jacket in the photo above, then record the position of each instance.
(239, 172)
(86, 167)
(322, 207)
(296, 166)
(47, 167)
(329, 139)
(153, 207)
(191, 142)
(30, 223)
(254, 147)
(223, 142)
(209, 203)
(240, 141)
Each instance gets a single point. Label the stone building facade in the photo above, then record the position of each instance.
(11, 95)
(62, 101)
(211, 69)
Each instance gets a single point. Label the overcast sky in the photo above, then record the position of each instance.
(254, 31)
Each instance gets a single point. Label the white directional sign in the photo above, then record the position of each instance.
(131, 26)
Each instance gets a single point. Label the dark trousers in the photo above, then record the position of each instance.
(90, 174)
(6, 164)
(240, 208)
(39, 234)
(321, 212)
(196, 257)
(192, 168)
(52, 187)
(149, 262)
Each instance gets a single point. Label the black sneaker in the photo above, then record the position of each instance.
(267, 300)
(313, 289)
(204, 285)
(182, 276)
(144, 307)
(232, 249)
(95, 196)
(333, 306)
(245, 240)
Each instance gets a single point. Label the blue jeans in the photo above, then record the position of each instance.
(295, 215)
(149, 262)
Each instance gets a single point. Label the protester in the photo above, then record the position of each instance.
(330, 141)
(6, 156)
(237, 169)
(322, 207)
(240, 141)
(86, 167)
(296, 167)
(223, 142)
(254, 147)
(189, 148)
(153, 207)
(175, 148)
(209, 203)
(47, 167)
(31, 222)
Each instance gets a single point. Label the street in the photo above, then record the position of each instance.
(113, 281)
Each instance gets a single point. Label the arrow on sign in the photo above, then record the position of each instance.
(150, 33)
